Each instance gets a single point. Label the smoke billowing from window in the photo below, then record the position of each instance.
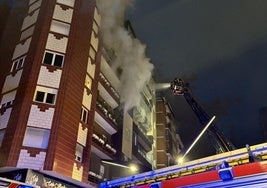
(129, 60)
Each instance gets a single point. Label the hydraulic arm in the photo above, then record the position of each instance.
(220, 142)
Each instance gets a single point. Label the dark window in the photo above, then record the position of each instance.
(58, 60)
(40, 96)
(85, 116)
(50, 98)
(20, 63)
(48, 58)
(15, 64)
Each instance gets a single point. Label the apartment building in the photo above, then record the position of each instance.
(121, 138)
(50, 65)
(60, 113)
(169, 143)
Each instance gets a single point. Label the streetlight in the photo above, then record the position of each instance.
(180, 160)
(133, 167)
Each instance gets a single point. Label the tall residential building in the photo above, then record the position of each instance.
(169, 144)
(130, 134)
(60, 113)
(106, 138)
(50, 64)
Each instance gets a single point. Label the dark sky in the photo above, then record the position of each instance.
(220, 48)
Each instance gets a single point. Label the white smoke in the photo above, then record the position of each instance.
(129, 52)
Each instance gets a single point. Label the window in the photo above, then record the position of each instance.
(95, 27)
(102, 170)
(92, 53)
(3, 105)
(54, 59)
(48, 58)
(14, 67)
(88, 82)
(2, 134)
(17, 64)
(45, 97)
(36, 137)
(84, 115)
(50, 98)
(9, 103)
(40, 96)
(60, 27)
(79, 152)
(20, 63)
(58, 60)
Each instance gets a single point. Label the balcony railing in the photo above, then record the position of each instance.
(108, 84)
(106, 110)
(143, 139)
(103, 144)
(140, 154)
(94, 177)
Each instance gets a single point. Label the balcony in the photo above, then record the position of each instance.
(140, 155)
(108, 86)
(94, 177)
(105, 123)
(102, 149)
(108, 97)
(101, 142)
(107, 70)
(147, 101)
(105, 116)
(141, 118)
(108, 76)
(143, 139)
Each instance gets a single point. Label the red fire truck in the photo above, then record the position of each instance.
(237, 168)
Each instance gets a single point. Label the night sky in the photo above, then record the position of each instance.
(220, 48)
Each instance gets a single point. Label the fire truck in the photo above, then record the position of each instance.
(245, 167)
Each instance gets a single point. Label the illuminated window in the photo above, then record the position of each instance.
(88, 82)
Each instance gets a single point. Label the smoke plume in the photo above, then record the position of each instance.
(129, 57)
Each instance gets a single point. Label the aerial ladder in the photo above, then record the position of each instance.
(216, 136)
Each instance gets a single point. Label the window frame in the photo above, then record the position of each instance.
(17, 64)
(85, 112)
(45, 97)
(54, 55)
(42, 134)
(79, 158)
